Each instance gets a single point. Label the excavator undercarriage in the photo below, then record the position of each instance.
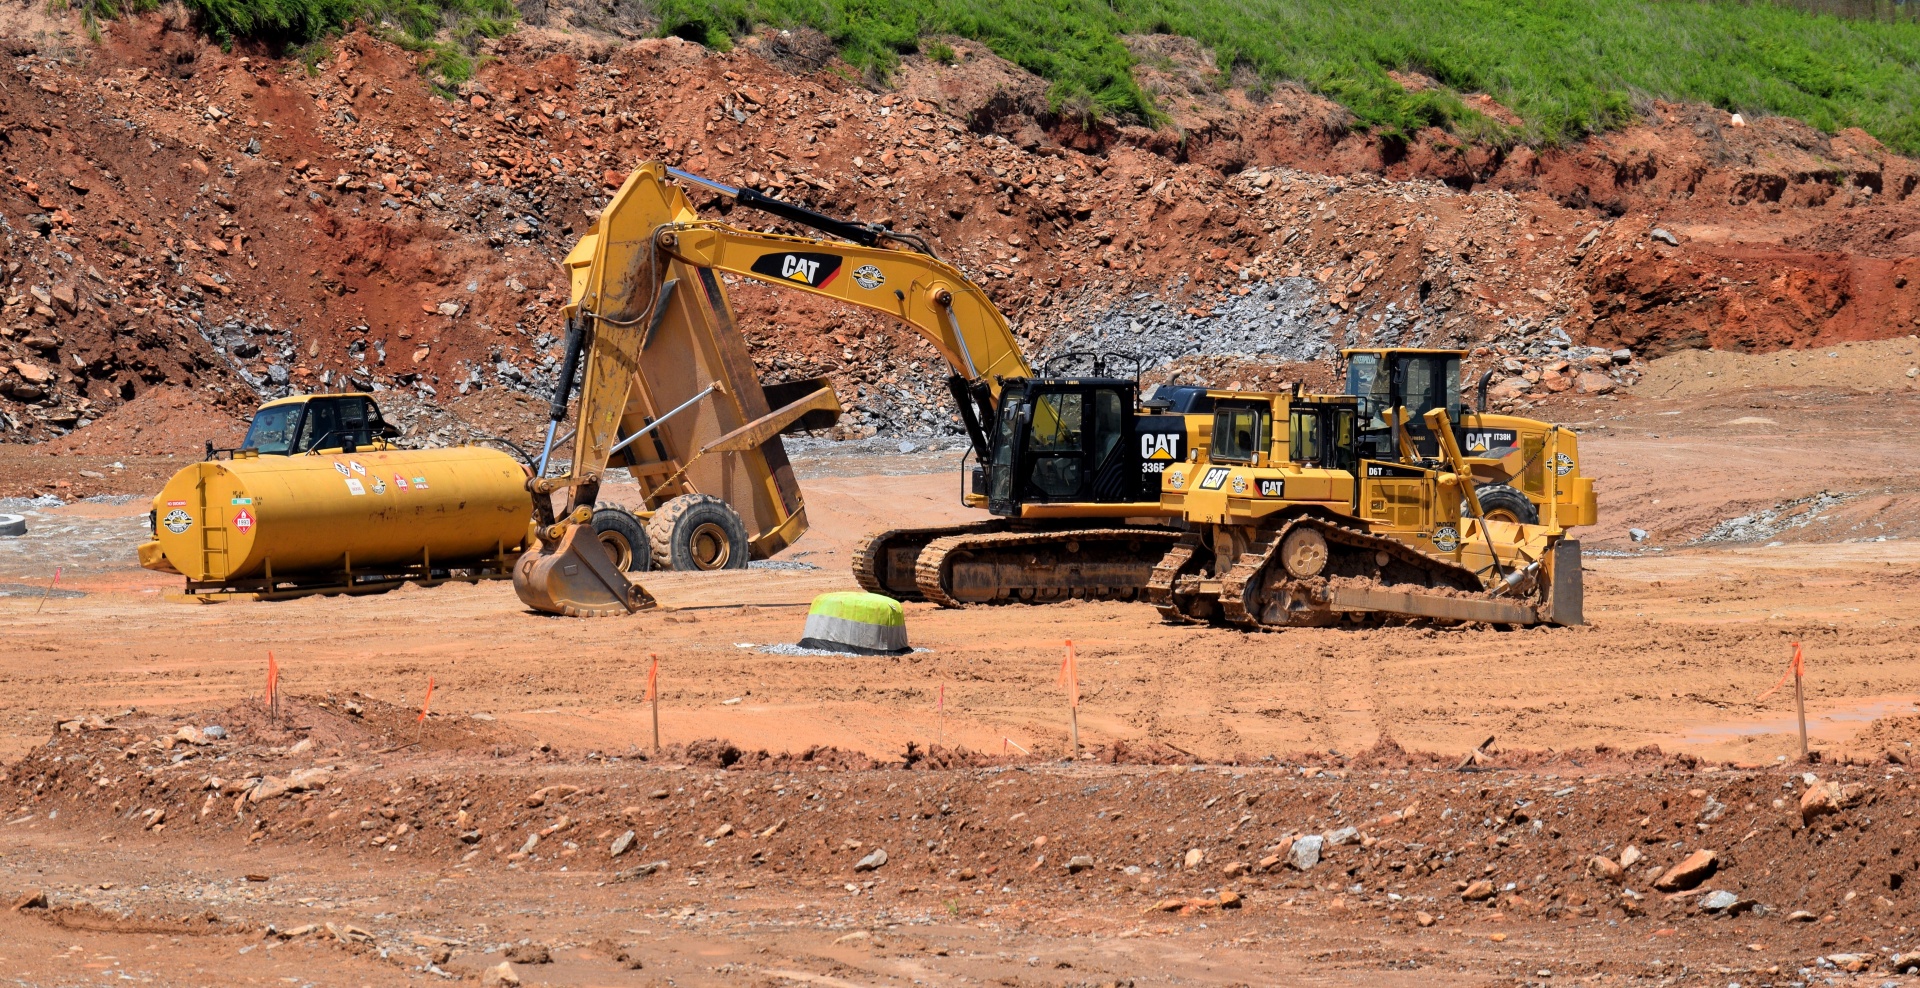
(990, 563)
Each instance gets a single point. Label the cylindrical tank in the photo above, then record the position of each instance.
(319, 515)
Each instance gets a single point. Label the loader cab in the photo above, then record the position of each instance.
(318, 423)
(1417, 380)
(1071, 441)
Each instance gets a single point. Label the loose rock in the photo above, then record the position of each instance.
(1816, 802)
(1696, 868)
(529, 953)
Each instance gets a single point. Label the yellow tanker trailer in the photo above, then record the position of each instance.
(317, 501)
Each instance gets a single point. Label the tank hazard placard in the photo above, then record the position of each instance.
(243, 520)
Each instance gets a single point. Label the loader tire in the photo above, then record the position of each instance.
(698, 532)
(1503, 503)
(624, 538)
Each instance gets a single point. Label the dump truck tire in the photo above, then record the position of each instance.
(698, 532)
(625, 539)
(1503, 503)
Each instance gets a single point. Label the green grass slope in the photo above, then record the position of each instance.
(1567, 67)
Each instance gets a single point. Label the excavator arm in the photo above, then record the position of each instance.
(943, 305)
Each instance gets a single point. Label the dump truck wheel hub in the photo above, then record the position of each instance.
(711, 549)
(618, 547)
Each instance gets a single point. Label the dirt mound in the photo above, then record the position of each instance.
(159, 421)
(1881, 365)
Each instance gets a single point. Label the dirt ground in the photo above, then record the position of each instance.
(346, 842)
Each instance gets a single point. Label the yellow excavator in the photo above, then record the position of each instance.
(1054, 453)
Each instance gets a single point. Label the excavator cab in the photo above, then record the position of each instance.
(1063, 442)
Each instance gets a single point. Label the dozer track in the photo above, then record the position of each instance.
(886, 562)
(1160, 587)
(1040, 566)
(1378, 578)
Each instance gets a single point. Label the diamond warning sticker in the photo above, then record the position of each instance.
(243, 521)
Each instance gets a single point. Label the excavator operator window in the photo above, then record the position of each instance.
(1109, 420)
(1240, 434)
(1057, 445)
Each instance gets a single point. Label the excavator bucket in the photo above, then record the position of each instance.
(576, 577)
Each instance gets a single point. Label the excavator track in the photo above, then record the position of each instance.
(1039, 566)
(877, 562)
(1160, 588)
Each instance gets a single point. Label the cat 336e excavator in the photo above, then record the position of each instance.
(1072, 468)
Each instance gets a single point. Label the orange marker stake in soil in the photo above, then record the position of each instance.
(50, 585)
(1796, 669)
(1070, 678)
(425, 702)
(273, 686)
(653, 697)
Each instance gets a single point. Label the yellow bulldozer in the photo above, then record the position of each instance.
(1309, 510)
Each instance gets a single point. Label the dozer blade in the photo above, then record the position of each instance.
(576, 578)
